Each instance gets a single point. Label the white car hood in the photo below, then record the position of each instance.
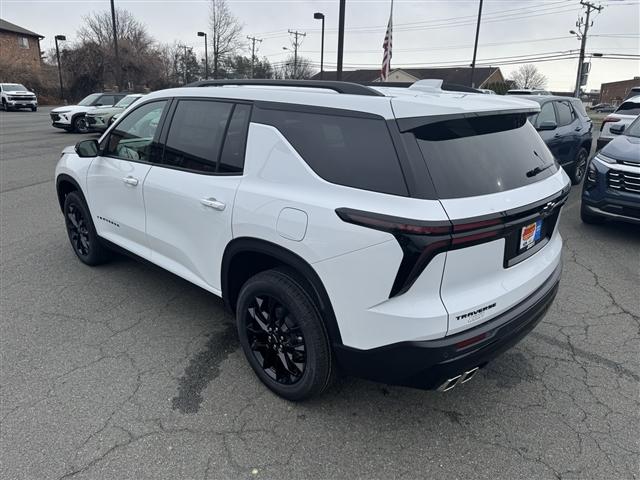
(18, 92)
(73, 109)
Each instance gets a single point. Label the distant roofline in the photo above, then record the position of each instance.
(13, 28)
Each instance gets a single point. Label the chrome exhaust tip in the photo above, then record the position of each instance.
(449, 384)
(468, 375)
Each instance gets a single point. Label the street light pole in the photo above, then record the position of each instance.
(340, 39)
(62, 38)
(475, 46)
(320, 16)
(117, 70)
(206, 55)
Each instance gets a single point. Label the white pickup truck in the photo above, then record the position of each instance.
(15, 96)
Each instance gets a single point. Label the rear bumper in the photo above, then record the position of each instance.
(427, 364)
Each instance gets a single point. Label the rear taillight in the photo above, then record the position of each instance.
(421, 241)
(608, 120)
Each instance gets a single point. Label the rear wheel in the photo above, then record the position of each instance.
(283, 336)
(579, 166)
(590, 218)
(82, 233)
(80, 124)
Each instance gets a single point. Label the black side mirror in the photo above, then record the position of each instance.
(548, 125)
(617, 129)
(87, 148)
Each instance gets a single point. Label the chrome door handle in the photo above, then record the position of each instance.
(213, 203)
(129, 180)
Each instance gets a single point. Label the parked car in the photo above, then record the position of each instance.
(16, 96)
(72, 117)
(99, 119)
(566, 128)
(633, 92)
(487, 91)
(603, 108)
(527, 91)
(615, 123)
(324, 221)
(612, 186)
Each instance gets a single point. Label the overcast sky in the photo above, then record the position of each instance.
(426, 32)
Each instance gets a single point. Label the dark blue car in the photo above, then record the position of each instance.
(566, 128)
(612, 186)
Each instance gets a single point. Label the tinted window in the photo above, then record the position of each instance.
(483, 155)
(196, 135)
(629, 108)
(565, 113)
(355, 152)
(547, 114)
(578, 106)
(133, 138)
(89, 99)
(232, 158)
(106, 100)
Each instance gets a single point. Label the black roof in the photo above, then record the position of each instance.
(10, 27)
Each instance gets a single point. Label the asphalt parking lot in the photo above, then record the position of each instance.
(128, 372)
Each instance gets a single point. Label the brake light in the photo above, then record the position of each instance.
(608, 120)
(470, 341)
(391, 224)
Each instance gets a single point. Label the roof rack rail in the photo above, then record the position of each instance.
(451, 87)
(340, 87)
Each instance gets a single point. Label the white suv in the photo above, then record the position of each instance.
(16, 96)
(615, 123)
(402, 235)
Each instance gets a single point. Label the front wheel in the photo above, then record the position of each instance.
(34, 109)
(283, 336)
(80, 124)
(82, 233)
(579, 166)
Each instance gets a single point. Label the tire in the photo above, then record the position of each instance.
(590, 218)
(34, 109)
(283, 336)
(579, 166)
(80, 124)
(82, 234)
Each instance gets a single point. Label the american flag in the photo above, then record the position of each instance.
(386, 46)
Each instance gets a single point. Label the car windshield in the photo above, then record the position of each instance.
(629, 108)
(12, 86)
(126, 101)
(88, 100)
(634, 129)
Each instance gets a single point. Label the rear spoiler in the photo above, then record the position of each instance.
(410, 123)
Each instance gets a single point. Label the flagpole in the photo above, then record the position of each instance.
(387, 48)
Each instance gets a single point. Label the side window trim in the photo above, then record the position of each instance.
(168, 120)
(156, 135)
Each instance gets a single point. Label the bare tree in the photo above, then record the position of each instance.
(226, 32)
(528, 76)
(301, 69)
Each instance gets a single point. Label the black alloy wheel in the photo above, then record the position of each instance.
(82, 233)
(276, 340)
(78, 231)
(580, 167)
(283, 334)
(80, 124)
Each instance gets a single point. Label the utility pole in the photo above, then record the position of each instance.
(61, 38)
(340, 39)
(117, 71)
(296, 44)
(475, 46)
(253, 51)
(582, 35)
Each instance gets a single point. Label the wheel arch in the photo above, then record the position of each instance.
(247, 256)
(66, 184)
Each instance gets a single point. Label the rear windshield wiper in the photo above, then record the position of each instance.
(535, 171)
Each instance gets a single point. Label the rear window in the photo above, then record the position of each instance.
(629, 108)
(483, 155)
(351, 151)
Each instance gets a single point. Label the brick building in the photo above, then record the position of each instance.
(19, 46)
(615, 92)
